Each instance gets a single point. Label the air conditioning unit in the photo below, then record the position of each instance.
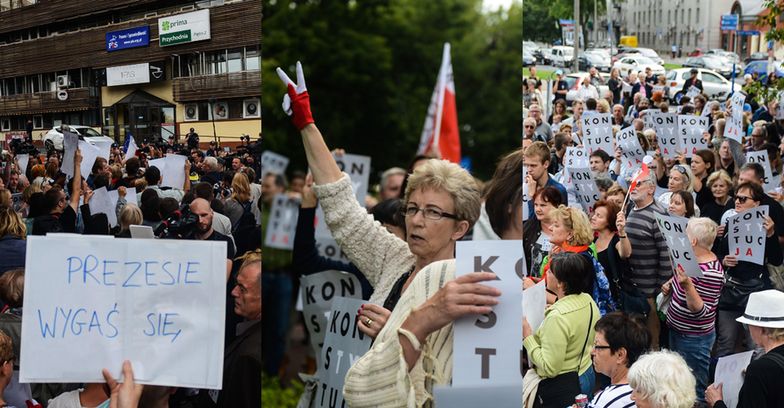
(53, 86)
(191, 112)
(220, 110)
(63, 81)
(250, 109)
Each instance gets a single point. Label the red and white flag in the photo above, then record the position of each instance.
(440, 135)
(641, 175)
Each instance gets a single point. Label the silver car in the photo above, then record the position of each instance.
(714, 85)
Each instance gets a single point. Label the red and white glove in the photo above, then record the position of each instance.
(296, 103)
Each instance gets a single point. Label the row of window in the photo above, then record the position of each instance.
(683, 39)
(649, 17)
(46, 82)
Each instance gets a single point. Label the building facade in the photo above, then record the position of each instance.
(150, 68)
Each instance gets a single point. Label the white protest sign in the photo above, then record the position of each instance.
(597, 132)
(736, 104)
(631, 151)
(322, 231)
(104, 147)
(89, 155)
(317, 293)
(526, 197)
(130, 196)
(673, 229)
(70, 143)
(769, 183)
(576, 157)
(358, 169)
(478, 396)
(344, 344)
(282, 223)
(657, 88)
(172, 169)
(666, 126)
(272, 162)
(693, 91)
(534, 303)
(101, 202)
(487, 348)
(733, 129)
(23, 160)
(729, 373)
(329, 248)
(586, 190)
(691, 129)
(17, 201)
(747, 235)
(131, 152)
(93, 302)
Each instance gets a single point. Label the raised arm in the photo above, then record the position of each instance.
(76, 182)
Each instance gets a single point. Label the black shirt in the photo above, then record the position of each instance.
(217, 236)
(64, 222)
(763, 384)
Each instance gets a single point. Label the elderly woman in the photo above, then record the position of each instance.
(570, 231)
(691, 316)
(129, 215)
(763, 382)
(13, 232)
(618, 343)
(681, 204)
(559, 348)
(743, 277)
(662, 380)
(681, 179)
(720, 185)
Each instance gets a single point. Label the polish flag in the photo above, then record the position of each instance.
(440, 135)
(642, 174)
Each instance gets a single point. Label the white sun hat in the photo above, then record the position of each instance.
(764, 309)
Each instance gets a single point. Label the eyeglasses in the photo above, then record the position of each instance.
(529, 127)
(598, 347)
(429, 213)
(742, 199)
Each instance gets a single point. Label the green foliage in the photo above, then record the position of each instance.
(764, 92)
(371, 66)
(538, 24)
(273, 395)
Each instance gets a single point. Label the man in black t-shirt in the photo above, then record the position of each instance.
(201, 208)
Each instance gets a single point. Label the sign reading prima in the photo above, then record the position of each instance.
(184, 28)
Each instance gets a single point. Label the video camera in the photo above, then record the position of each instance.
(22, 146)
(181, 224)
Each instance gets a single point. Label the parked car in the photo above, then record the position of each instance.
(756, 56)
(712, 62)
(728, 55)
(544, 59)
(586, 60)
(561, 56)
(528, 58)
(575, 82)
(760, 69)
(603, 52)
(637, 62)
(714, 85)
(53, 139)
(651, 54)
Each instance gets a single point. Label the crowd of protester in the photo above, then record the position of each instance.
(660, 330)
(220, 200)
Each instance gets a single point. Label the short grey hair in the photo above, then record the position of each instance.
(394, 171)
(664, 379)
(703, 230)
(211, 162)
(454, 180)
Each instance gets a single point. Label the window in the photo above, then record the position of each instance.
(252, 60)
(697, 15)
(711, 78)
(689, 20)
(234, 60)
(38, 122)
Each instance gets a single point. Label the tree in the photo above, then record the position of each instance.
(538, 24)
(768, 90)
(371, 67)
(565, 9)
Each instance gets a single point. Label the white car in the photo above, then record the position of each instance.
(575, 81)
(561, 56)
(53, 139)
(637, 63)
(714, 85)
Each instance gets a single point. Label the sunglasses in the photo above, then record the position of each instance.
(681, 169)
(742, 199)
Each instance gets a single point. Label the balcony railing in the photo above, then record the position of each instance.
(79, 99)
(223, 86)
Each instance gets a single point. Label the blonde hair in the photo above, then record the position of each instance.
(11, 223)
(602, 106)
(248, 258)
(6, 348)
(774, 333)
(5, 198)
(720, 175)
(703, 230)
(240, 187)
(452, 179)
(130, 215)
(575, 220)
(664, 379)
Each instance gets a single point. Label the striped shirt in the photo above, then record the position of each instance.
(614, 396)
(683, 320)
(650, 259)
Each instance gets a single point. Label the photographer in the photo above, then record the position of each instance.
(192, 138)
(204, 231)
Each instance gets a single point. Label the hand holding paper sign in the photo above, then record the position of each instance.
(373, 318)
(297, 101)
(127, 394)
(714, 394)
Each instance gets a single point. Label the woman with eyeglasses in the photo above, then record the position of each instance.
(743, 277)
(413, 279)
(560, 347)
(681, 179)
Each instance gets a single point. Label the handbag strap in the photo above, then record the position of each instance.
(585, 344)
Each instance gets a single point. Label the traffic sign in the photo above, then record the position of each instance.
(729, 22)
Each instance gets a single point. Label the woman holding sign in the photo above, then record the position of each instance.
(743, 277)
(691, 316)
(559, 350)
